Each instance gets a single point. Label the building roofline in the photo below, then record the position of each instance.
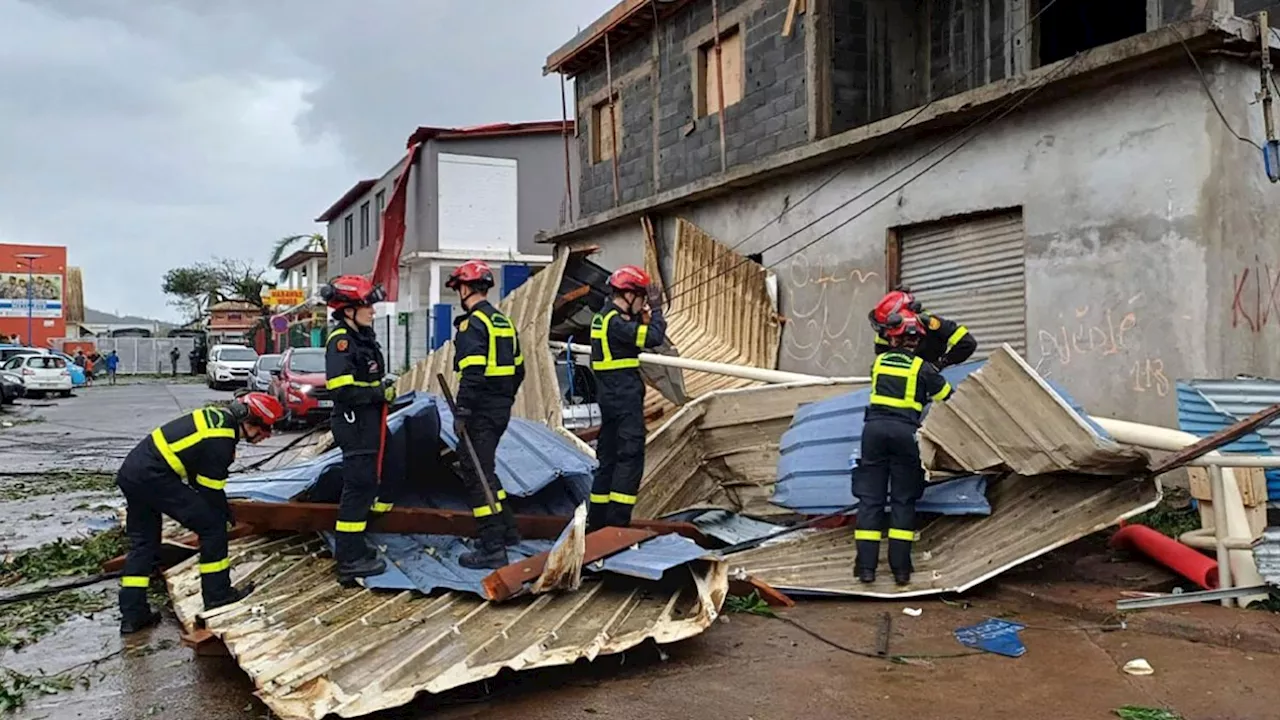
(1162, 46)
(342, 203)
(539, 127)
(298, 257)
(626, 21)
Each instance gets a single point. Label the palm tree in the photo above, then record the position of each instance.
(313, 241)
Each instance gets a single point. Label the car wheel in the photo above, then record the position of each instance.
(65, 393)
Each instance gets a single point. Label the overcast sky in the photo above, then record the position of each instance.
(146, 134)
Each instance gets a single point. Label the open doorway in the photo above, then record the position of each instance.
(1071, 26)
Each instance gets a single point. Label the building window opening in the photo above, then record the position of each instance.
(606, 129)
(1068, 27)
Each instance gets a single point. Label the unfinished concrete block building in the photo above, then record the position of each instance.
(1084, 181)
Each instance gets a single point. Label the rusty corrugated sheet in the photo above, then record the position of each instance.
(721, 310)
(1005, 417)
(313, 647)
(539, 398)
(721, 450)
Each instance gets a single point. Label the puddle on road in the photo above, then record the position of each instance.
(43, 519)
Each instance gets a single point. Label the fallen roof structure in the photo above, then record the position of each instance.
(313, 647)
(1030, 515)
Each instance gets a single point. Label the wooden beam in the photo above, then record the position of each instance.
(791, 18)
(1223, 437)
(507, 581)
(315, 517)
(771, 595)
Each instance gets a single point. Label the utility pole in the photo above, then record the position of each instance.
(30, 259)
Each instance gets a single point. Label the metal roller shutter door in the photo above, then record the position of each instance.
(972, 271)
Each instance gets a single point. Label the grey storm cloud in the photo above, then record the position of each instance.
(147, 134)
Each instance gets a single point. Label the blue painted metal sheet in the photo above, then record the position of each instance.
(1205, 407)
(816, 454)
(651, 558)
(729, 528)
(430, 562)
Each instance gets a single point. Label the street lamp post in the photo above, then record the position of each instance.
(31, 259)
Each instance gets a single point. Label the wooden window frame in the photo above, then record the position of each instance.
(348, 235)
(704, 55)
(364, 225)
(600, 116)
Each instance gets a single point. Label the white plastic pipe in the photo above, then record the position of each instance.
(745, 372)
(1240, 565)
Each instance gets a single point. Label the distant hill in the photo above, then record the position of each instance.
(98, 317)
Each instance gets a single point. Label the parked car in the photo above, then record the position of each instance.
(229, 365)
(260, 376)
(299, 384)
(11, 387)
(8, 351)
(41, 374)
(77, 372)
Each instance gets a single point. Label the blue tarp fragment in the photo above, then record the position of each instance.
(994, 636)
(815, 457)
(430, 562)
(651, 558)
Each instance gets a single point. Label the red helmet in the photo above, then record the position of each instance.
(893, 303)
(258, 408)
(475, 273)
(908, 325)
(629, 277)
(351, 291)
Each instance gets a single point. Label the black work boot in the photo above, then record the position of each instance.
(484, 558)
(510, 532)
(235, 595)
(902, 577)
(865, 575)
(128, 625)
(367, 566)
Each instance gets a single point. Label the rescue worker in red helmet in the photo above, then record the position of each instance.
(945, 342)
(889, 467)
(181, 470)
(355, 371)
(619, 332)
(490, 369)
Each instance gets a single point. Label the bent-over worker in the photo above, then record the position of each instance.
(490, 369)
(355, 375)
(181, 470)
(945, 342)
(619, 332)
(889, 466)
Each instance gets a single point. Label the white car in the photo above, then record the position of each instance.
(41, 374)
(230, 365)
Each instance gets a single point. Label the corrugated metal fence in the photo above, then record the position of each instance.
(141, 355)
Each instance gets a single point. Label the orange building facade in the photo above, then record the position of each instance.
(33, 291)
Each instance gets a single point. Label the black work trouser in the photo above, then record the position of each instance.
(888, 469)
(361, 433)
(485, 427)
(149, 493)
(620, 453)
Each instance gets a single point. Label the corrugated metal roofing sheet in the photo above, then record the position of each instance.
(313, 647)
(650, 559)
(727, 527)
(1266, 554)
(1206, 406)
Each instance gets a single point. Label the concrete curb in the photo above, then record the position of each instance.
(1248, 630)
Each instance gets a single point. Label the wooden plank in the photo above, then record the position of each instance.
(791, 18)
(1217, 440)
(772, 596)
(505, 582)
(315, 517)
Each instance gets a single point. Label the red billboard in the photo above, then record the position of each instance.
(33, 291)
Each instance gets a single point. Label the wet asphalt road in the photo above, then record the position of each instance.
(153, 676)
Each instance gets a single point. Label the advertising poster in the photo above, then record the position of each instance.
(45, 294)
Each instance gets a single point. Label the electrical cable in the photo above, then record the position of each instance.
(1204, 82)
(1011, 106)
(845, 166)
(893, 658)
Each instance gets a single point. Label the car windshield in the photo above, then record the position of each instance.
(238, 355)
(267, 363)
(307, 361)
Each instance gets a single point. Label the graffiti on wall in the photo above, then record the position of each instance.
(1256, 298)
(827, 326)
(1106, 340)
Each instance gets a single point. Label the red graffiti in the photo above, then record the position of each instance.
(1260, 311)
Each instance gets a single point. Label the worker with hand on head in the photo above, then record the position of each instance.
(181, 470)
(355, 371)
(619, 332)
(945, 343)
(889, 466)
(490, 369)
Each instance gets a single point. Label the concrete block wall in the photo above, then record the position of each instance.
(664, 143)
(962, 34)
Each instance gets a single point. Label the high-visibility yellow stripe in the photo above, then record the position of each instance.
(349, 526)
(502, 494)
(957, 336)
(167, 453)
(135, 581)
(622, 498)
(642, 333)
(485, 510)
(887, 365)
(600, 499)
(881, 341)
(944, 393)
(874, 535)
(211, 483)
(216, 566)
(335, 333)
(499, 326)
(600, 331)
(908, 535)
(471, 361)
(381, 507)
(345, 380)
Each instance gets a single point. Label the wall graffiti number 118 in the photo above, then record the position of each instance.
(1149, 375)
